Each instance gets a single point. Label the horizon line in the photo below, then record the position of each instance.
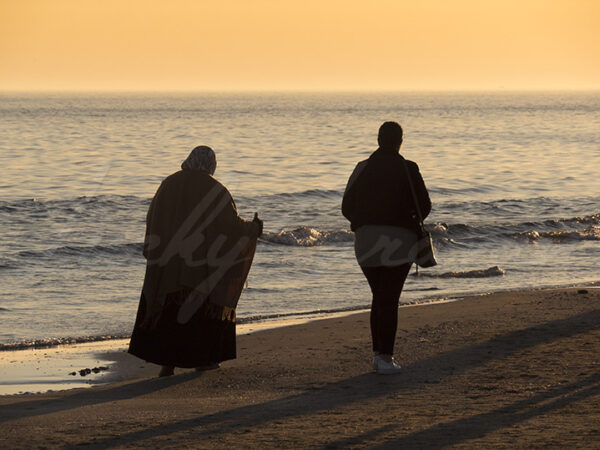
(294, 90)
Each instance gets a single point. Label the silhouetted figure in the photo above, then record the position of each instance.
(199, 252)
(380, 207)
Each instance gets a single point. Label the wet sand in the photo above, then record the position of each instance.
(518, 369)
(69, 366)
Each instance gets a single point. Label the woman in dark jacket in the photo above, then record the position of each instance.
(381, 209)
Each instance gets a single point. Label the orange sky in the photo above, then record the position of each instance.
(306, 45)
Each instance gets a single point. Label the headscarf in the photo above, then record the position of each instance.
(201, 158)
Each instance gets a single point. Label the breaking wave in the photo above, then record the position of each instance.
(53, 342)
(308, 237)
(566, 230)
(494, 271)
(589, 234)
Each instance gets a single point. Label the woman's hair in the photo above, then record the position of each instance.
(201, 158)
(390, 135)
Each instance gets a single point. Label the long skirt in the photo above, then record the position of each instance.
(201, 341)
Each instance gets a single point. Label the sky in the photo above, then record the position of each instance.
(316, 45)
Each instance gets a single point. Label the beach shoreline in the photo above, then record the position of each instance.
(57, 368)
(62, 367)
(516, 369)
(46, 367)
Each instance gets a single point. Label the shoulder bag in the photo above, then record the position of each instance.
(425, 255)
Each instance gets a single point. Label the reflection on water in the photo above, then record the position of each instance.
(513, 179)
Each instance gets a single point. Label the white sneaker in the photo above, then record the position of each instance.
(386, 367)
(376, 359)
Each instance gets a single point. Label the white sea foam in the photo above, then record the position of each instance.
(494, 271)
(308, 237)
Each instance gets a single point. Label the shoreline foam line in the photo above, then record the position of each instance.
(38, 370)
(33, 370)
(316, 314)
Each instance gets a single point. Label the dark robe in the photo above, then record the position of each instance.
(199, 252)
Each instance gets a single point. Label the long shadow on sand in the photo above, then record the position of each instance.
(369, 386)
(464, 429)
(87, 396)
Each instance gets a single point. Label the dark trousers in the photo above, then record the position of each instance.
(386, 285)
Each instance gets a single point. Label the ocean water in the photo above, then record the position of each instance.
(513, 178)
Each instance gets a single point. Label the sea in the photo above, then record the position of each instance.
(513, 177)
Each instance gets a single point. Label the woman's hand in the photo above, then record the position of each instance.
(259, 222)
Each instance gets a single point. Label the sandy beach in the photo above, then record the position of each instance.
(516, 369)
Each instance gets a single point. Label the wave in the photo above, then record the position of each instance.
(467, 190)
(577, 220)
(313, 203)
(133, 249)
(125, 200)
(308, 237)
(95, 208)
(299, 237)
(453, 235)
(589, 234)
(444, 233)
(593, 219)
(81, 200)
(494, 271)
(319, 193)
(560, 230)
(53, 342)
(485, 222)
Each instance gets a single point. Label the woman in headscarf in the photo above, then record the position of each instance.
(199, 252)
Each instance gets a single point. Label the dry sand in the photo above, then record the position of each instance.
(519, 369)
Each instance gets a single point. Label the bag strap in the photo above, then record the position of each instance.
(414, 195)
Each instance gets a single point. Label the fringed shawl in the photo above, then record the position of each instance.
(196, 240)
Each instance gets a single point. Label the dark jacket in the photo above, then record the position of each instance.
(378, 193)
